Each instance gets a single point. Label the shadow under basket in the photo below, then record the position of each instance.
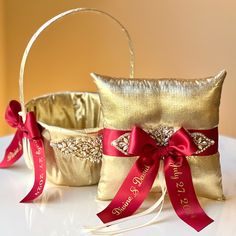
(71, 130)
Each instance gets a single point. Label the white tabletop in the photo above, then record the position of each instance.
(64, 211)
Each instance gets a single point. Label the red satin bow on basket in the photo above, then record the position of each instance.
(29, 130)
(140, 178)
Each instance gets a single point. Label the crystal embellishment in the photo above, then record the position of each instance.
(88, 148)
(162, 134)
(122, 143)
(201, 141)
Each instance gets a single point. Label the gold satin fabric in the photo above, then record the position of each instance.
(68, 115)
(149, 103)
(69, 110)
(206, 175)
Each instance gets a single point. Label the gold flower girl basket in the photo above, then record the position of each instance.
(59, 133)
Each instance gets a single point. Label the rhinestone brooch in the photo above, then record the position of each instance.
(201, 141)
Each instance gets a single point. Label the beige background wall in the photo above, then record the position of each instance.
(2, 66)
(171, 38)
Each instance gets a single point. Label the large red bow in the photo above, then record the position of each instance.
(30, 130)
(140, 178)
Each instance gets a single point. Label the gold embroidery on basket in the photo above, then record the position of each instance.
(88, 148)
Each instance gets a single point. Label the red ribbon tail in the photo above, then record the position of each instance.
(132, 192)
(14, 151)
(182, 195)
(39, 160)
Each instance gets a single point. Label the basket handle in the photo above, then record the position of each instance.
(53, 20)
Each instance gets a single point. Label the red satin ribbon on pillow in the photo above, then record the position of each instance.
(30, 130)
(140, 178)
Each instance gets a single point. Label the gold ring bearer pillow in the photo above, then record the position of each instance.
(70, 123)
(160, 135)
(160, 106)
